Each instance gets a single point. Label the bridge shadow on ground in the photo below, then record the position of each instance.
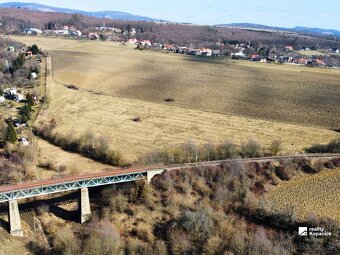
(65, 214)
(51, 205)
(4, 224)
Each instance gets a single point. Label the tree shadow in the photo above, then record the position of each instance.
(36, 248)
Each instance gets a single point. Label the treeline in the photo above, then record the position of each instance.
(206, 210)
(88, 144)
(185, 35)
(190, 152)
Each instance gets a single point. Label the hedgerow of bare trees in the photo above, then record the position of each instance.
(89, 145)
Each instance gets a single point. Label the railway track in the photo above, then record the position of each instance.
(118, 172)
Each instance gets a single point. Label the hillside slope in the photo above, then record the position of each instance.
(100, 14)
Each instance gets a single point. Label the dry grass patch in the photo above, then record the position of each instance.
(74, 163)
(295, 94)
(116, 84)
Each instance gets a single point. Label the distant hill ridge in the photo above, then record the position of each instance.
(118, 15)
(297, 29)
(100, 14)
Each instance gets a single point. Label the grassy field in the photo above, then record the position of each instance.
(214, 100)
(299, 95)
(318, 194)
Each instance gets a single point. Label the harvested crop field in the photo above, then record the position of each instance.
(294, 94)
(214, 100)
(318, 194)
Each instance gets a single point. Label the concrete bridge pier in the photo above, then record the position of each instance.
(151, 173)
(84, 205)
(14, 219)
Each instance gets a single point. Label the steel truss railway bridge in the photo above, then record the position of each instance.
(11, 194)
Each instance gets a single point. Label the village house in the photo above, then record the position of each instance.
(11, 49)
(93, 36)
(239, 55)
(216, 53)
(33, 31)
(206, 52)
(2, 99)
(320, 62)
(289, 48)
(255, 57)
(335, 50)
(18, 97)
(117, 30)
(182, 50)
(146, 43)
(132, 41)
(12, 91)
(133, 31)
(301, 61)
(76, 33)
(33, 76)
(23, 141)
(168, 47)
(28, 54)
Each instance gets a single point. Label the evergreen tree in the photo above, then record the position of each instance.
(35, 49)
(11, 135)
(29, 99)
(25, 112)
(19, 62)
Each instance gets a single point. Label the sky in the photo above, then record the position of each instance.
(284, 13)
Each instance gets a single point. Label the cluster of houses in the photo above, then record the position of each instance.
(173, 48)
(14, 95)
(313, 61)
(28, 54)
(288, 54)
(65, 31)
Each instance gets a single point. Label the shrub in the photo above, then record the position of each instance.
(275, 147)
(251, 149)
(202, 189)
(179, 242)
(238, 244)
(198, 224)
(226, 150)
(136, 247)
(11, 135)
(70, 86)
(144, 232)
(260, 243)
(169, 99)
(119, 203)
(64, 242)
(137, 119)
(213, 246)
(160, 248)
(332, 147)
(103, 239)
(146, 194)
